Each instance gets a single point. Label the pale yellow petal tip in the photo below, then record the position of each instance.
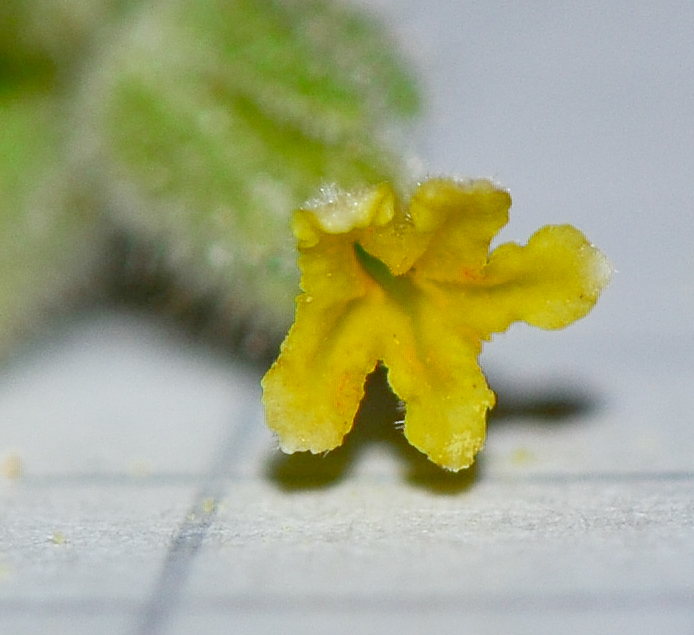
(602, 271)
(597, 273)
(438, 198)
(418, 291)
(455, 453)
(299, 438)
(336, 211)
(290, 445)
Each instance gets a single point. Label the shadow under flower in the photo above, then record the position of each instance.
(553, 402)
(379, 422)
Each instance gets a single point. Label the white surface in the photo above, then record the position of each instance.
(580, 514)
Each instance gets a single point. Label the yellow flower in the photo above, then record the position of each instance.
(417, 290)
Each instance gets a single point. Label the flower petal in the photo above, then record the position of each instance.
(445, 393)
(465, 217)
(313, 391)
(339, 212)
(551, 282)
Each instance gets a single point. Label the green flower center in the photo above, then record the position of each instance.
(401, 289)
